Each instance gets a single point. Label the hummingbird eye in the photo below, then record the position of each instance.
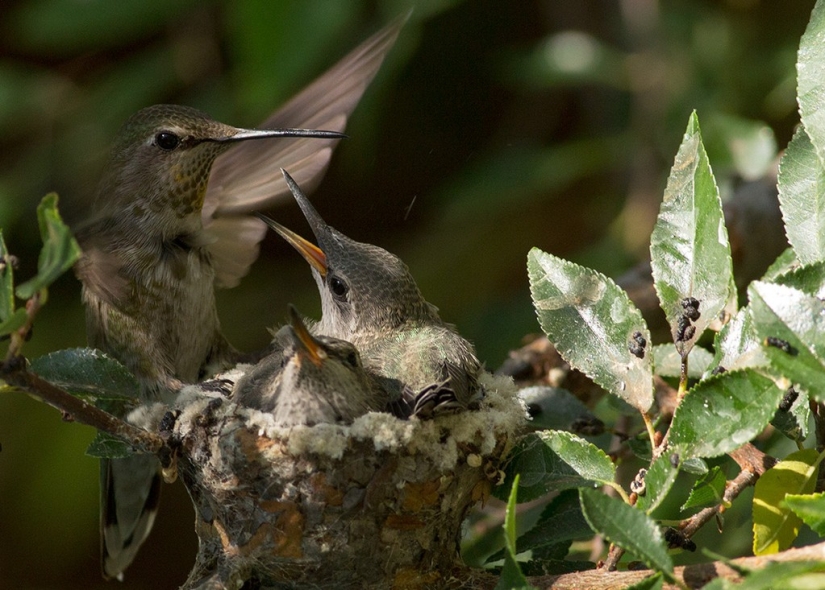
(338, 287)
(167, 141)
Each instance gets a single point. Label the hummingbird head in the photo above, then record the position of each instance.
(321, 350)
(160, 163)
(365, 290)
(325, 376)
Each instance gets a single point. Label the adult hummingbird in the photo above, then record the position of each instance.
(312, 380)
(369, 298)
(163, 233)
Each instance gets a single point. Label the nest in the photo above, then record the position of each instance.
(375, 504)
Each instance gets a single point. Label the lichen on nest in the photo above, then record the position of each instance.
(502, 416)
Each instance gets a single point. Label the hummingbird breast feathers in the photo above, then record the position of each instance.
(154, 309)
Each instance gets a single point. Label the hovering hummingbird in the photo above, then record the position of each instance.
(369, 298)
(314, 379)
(163, 233)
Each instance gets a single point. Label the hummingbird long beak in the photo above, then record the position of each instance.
(310, 345)
(316, 222)
(244, 134)
(311, 253)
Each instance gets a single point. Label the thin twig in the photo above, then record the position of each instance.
(683, 376)
(611, 562)
(753, 463)
(15, 374)
(19, 336)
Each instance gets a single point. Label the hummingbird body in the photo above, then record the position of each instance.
(369, 298)
(167, 228)
(151, 304)
(416, 358)
(148, 286)
(312, 380)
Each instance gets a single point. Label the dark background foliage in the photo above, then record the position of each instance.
(494, 126)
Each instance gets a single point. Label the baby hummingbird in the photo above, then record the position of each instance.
(314, 379)
(369, 298)
(164, 233)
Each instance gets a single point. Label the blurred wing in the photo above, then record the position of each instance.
(235, 247)
(102, 276)
(247, 177)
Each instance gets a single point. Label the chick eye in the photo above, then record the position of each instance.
(352, 359)
(339, 288)
(167, 141)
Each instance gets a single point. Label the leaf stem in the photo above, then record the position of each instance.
(683, 377)
(619, 490)
(651, 431)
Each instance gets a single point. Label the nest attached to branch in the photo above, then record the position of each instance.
(375, 504)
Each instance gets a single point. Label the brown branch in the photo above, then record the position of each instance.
(753, 463)
(749, 458)
(614, 552)
(15, 374)
(693, 576)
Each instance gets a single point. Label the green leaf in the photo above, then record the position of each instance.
(106, 446)
(810, 72)
(708, 490)
(630, 529)
(775, 526)
(783, 264)
(14, 322)
(511, 576)
(793, 422)
(559, 522)
(792, 575)
(556, 460)
(667, 362)
(60, 250)
(689, 248)
(593, 325)
(802, 198)
(810, 508)
(87, 371)
(584, 458)
(798, 320)
(6, 284)
(554, 408)
(722, 413)
(810, 279)
(640, 445)
(659, 479)
(737, 345)
(693, 465)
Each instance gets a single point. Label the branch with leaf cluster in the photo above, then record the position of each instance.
(735, 371)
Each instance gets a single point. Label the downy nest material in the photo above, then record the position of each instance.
(375, 504)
